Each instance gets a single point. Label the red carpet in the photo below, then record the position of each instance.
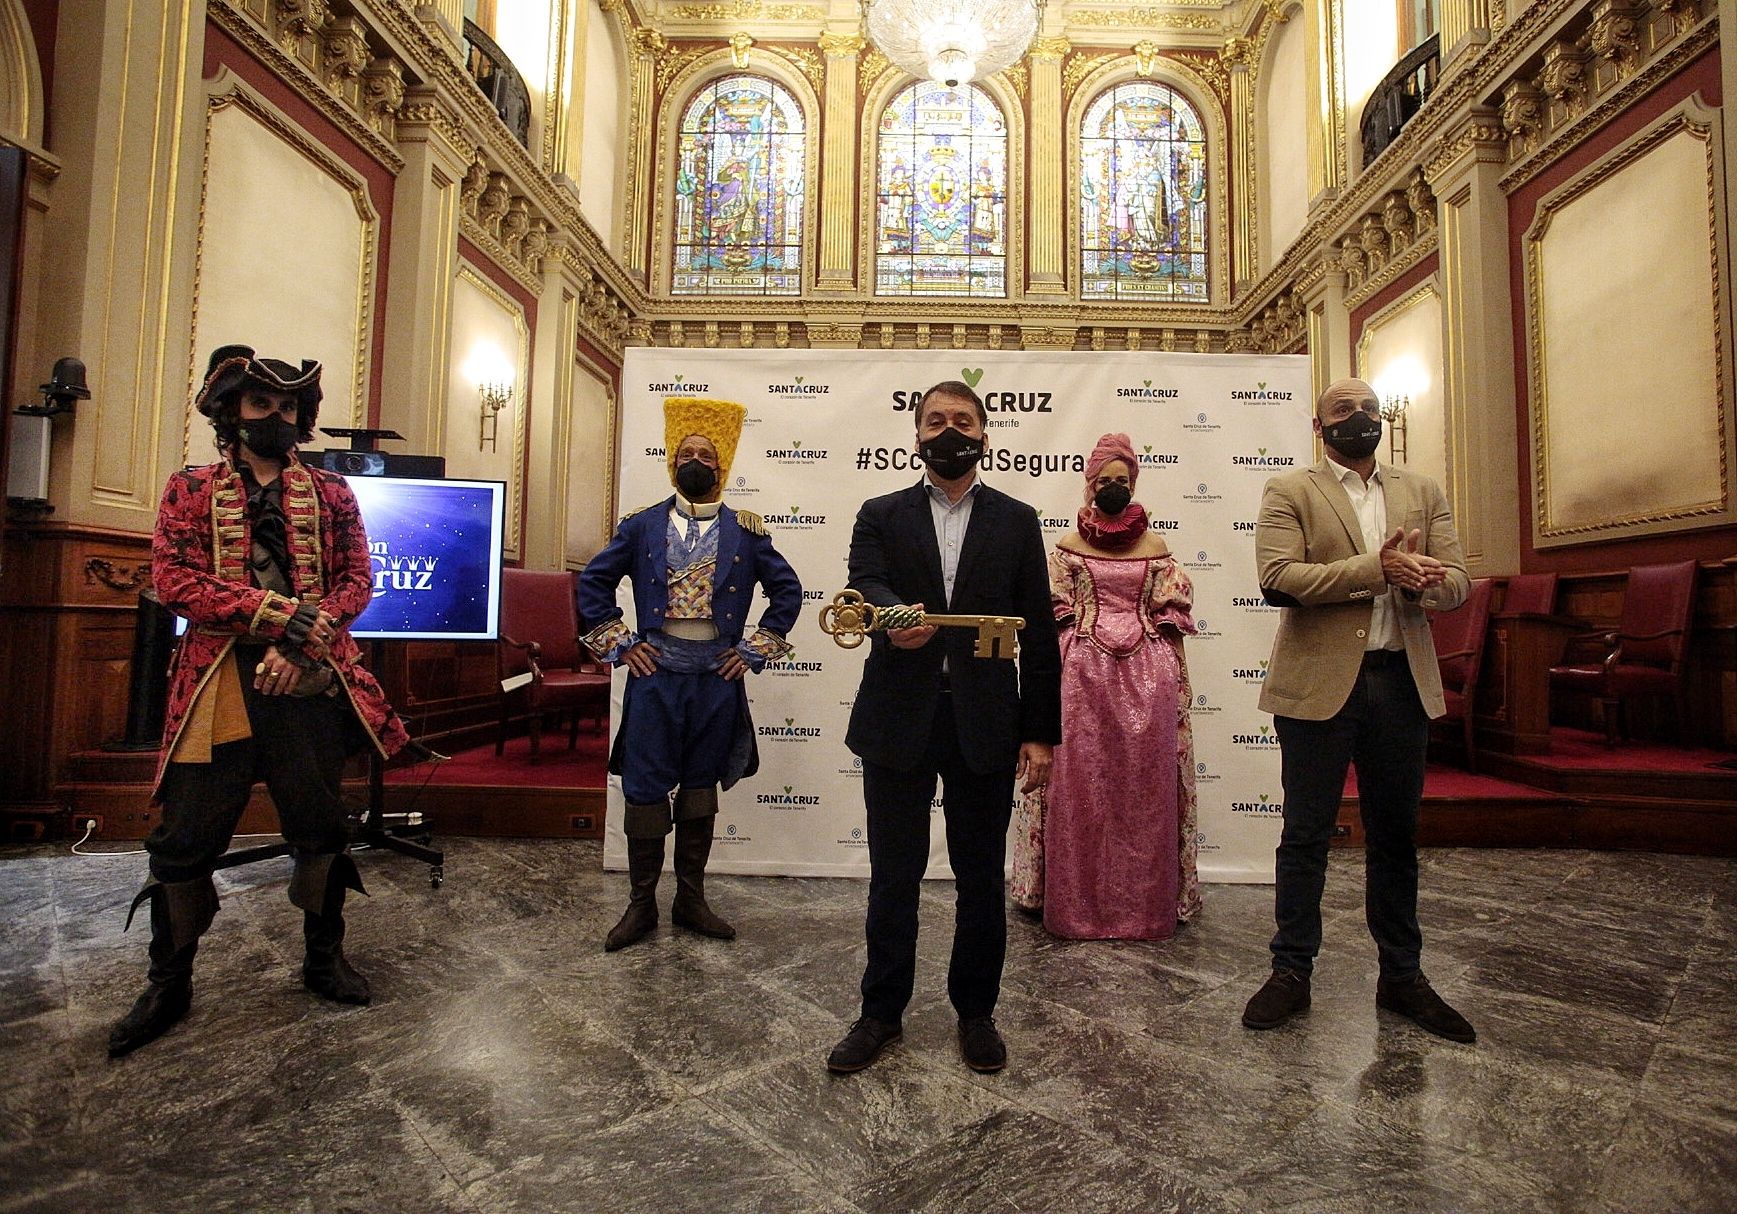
(1455, 784)
(1583, 750)
(583, 767)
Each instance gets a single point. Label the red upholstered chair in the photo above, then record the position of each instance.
(1459, 651)
(1644, 657)
(540, 638)
(1533, 593)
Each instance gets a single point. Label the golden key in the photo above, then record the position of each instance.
(848, 618)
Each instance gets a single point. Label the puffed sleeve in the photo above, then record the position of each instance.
(1063, 592)
(1172, 598)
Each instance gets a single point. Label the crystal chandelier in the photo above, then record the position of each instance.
(952, 41)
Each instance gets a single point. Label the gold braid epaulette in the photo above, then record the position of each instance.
(752, 523)
(631, 513)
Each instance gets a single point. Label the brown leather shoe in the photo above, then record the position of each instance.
(1416, 1000)
(1283, 995)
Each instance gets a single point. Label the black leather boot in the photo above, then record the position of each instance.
(644, 865)
(318, 887)
(180, 913)
(693, 846)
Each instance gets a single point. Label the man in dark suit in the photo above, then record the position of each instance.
(928, 708)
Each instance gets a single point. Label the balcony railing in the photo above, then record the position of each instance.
(1400, 94)
(499, 81)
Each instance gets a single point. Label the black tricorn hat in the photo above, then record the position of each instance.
(233, 367)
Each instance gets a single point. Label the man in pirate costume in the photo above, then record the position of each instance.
(685, 728)
(267, 560)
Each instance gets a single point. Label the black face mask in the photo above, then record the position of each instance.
(268, 437)
(695, 479)
(1112, 498)
(1356, 437)
(951, 454)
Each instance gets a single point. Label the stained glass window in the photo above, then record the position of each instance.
(1143, 196)
(740, 160)
(941, 194)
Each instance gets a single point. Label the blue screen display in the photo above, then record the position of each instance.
(436, 550)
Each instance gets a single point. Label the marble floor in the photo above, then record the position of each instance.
(508, 1063)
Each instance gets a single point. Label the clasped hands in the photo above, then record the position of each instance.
(642, 661)
(1407, 568)
(280, 671)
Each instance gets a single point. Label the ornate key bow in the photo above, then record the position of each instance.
(848, 618)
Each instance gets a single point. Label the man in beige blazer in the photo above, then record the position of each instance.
(1356, 553)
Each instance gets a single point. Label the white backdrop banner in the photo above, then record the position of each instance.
(828, 429)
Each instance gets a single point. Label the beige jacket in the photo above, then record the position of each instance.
(1311, 556)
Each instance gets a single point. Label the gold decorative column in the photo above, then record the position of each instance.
(838, 179)
(1321, 290)
(1464, 173)
(425, 224)
(1465, 26)
(647, 45)
(1047, 275)
(127, 123)
(1324, 94)
(1245, 249)
(445, 19)
(549, 403)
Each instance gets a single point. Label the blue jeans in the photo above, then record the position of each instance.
(1384, 730)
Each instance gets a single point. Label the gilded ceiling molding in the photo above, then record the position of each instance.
(803, 59)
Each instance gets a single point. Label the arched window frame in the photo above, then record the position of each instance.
(1198, 94)
(881, 95)
(676, 99)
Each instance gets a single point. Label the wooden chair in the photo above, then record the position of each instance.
(540, 638)
(1459, 651)
(1645, 656)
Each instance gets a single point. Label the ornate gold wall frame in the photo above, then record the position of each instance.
(476, 277)
(226, 90)
(1693, 119)
(874, 102)
(21, 110)
(1204, 98)
(702, 70)
(1453, 427)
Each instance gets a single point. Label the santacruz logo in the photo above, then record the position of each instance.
(1059, 523)
(1166, 524)
(796, 518)
(1161, 459)
(798, 388)
(1250, 674)
(814, 595)
(1263, 461)
(1266, 807)
(796, 667)
(400, 572)
(1251, 602)
(1266, 739)
(679, 387)
(796, 453)
(1147, 392)
(788, 799)
(790, 729)
(1016, 402)
(1243, 527)
(655, 452)
(1261, 394)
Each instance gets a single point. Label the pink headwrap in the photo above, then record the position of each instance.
(1113, 446)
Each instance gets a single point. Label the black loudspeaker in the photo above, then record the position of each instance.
(148, 689)
(379, 463)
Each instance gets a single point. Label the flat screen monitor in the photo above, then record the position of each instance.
(436, 550)
(435, 546)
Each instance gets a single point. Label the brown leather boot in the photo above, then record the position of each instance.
(693, 846)
(644, 864)
(318, 887)
(180, 913)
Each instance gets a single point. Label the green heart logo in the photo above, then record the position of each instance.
(1263, 450)
(1262, 385)
(796, 509)
(1263, 797)
(798, 379)
(679, 378)
(1148, 447)
(1265, 728)
(788, 721)
(787, 790)
(971, 375)
(798, 447)
(1263, 665)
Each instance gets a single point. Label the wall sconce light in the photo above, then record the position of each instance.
(1393, 409)
(33, 436)
(495, 397)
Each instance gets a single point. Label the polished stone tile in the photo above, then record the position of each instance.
(509, 1064)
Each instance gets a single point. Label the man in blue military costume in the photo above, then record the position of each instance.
(685, 727)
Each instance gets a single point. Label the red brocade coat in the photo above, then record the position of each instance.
(199, 566)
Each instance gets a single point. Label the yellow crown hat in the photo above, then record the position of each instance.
(718, 420)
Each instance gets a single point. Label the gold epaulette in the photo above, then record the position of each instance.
(631, 513)
(752, 523)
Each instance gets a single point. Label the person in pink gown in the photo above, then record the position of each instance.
(1118, 840)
